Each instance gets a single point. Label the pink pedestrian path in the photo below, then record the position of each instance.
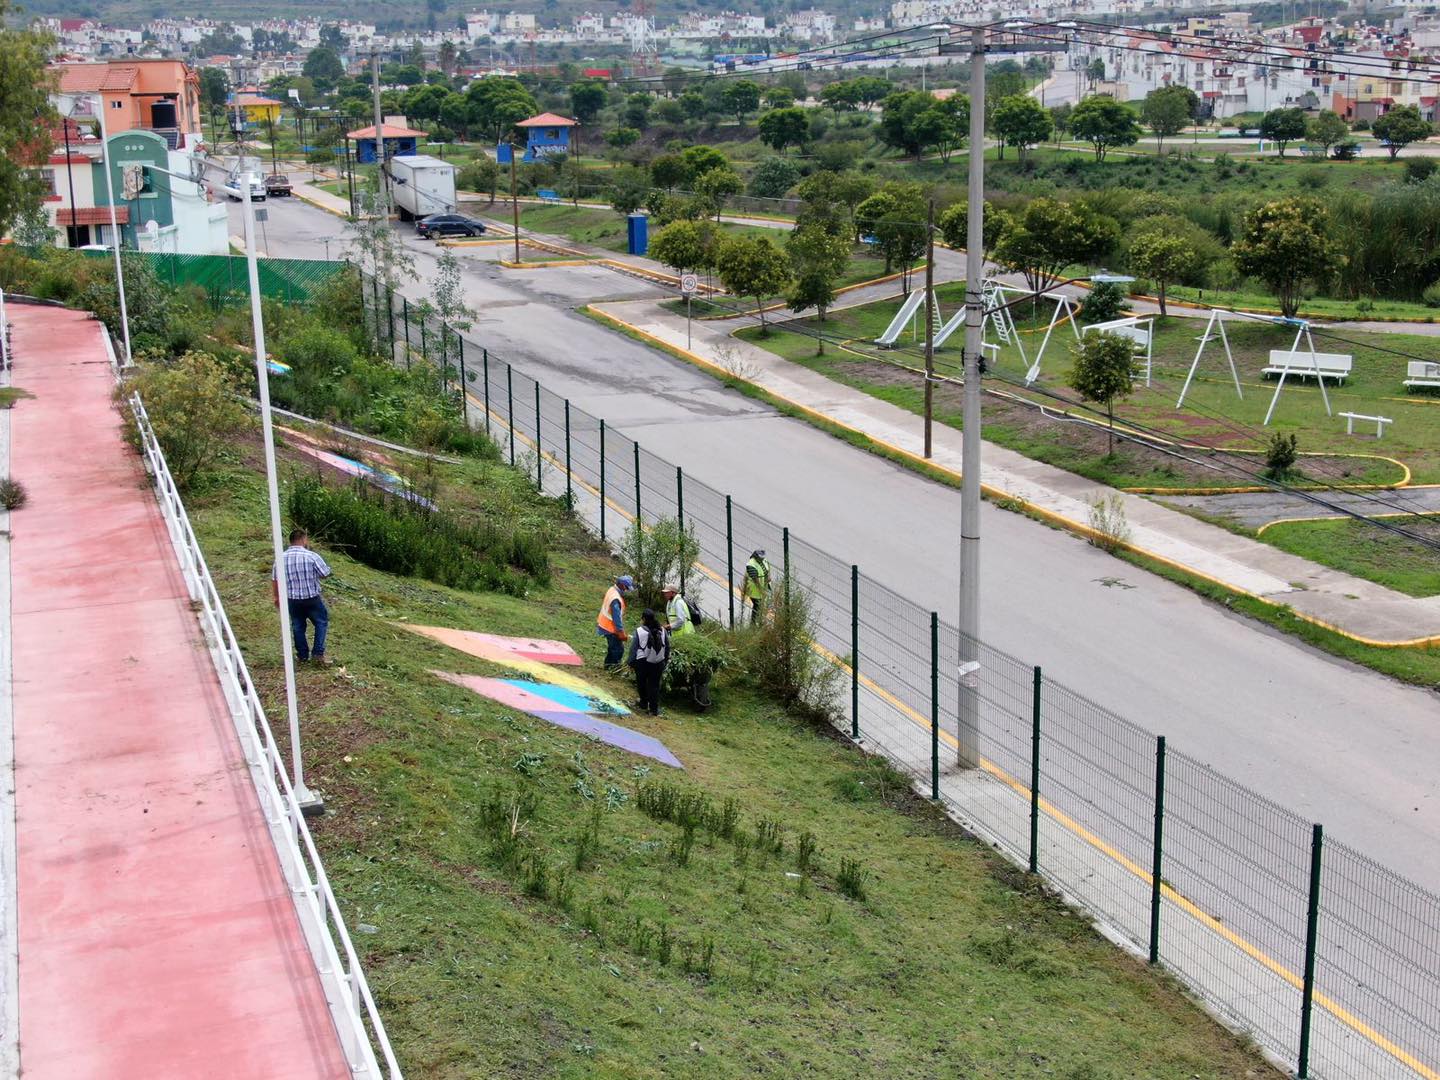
(157, 936)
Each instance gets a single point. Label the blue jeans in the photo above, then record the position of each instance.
(311, 608)
(614, 648)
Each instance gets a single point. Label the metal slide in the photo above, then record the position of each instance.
(897, 324)
(943, 334)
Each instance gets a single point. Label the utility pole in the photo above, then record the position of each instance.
(514, 204)
(383, 178)
(968, 750)
(929, 325)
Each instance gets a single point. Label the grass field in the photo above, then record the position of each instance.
(614, 948)
(1366, 550)
(605, 228)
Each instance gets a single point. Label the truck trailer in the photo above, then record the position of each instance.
(421, 185)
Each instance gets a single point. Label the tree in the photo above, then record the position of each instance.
(195, 406)
(1167, 110)
(1326, 130)
(896, 216)
(1060, 118)
(740, 98)
(1104, 371)
(669, 171)
(954, 226)
(752, 266)
(1095, 72)
(1049, 235)
(780, 128)
(637, 111)
(455, 113)
(445, 56)
(1401, 126)
(871, 88)
(1286, 244)
(700, 160)
(629, 188)
(587, 98)
(817, 259)
(693, 104)
(623, 137)
(842, 96)
(779, 96)
(773, 177)
(901, 124)
(1283, 126)
(718, 184)
(1020, 121)
(331, 37)
(1164, 257)
(214, 88)
(1104, 123)
(684, 245)
(497, 104)
(26, 118)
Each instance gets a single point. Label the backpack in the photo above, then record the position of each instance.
(696, 617)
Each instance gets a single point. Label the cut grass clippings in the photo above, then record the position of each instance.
(531, 921)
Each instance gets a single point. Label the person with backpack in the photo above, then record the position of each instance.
(679, 615)
(757, 584)
(649, 652)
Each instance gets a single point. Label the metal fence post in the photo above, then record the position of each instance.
(854, 651)
(485, 374)
(444, 358)
(424, 348)
(1312, 919)
(680, 497)
(602, 479)
(405, 321)
(935, 706)
(1035, 774)
(569, 492)
(390, 319)
(639, 521)
(464, 385)
(730, 557)
(1156, 862)
(785, 548)
(509, 406)
(539, 457)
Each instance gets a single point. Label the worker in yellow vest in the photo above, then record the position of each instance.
(677, 611)
(757, 583)
(610, 623)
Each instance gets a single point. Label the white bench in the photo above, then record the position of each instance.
(1305, 364)
(1378, 421)
(1422, 373)
(1125, 328)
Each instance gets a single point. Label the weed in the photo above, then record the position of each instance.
(741, 840)
(1281, 453)
(1107, 518)
(664, 944)
(852, 878)
(529, 764)
(723, 821)
(805, 852)
(587, 844)
(770, 835)
(698, 958)
(537, 876)
(681, 846)
(12, 494)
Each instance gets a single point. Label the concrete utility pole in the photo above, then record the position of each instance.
(384, 179)
(968, 752)
(929, 325)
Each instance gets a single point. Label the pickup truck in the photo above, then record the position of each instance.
(277, 184)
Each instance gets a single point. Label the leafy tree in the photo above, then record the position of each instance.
(1164, 257)
(817, 259)
(637, 111)
(1166, 111)
(902, 126)
(1060, 119)
(684, 245)
(1283, 126)
(1095, 72)
(740, 98)
(331, 37)
(1104, 123)
(780, 128)
(669, 171)
(1104, 371)
(629, 188)
(954, 226)
(773, 177)
(587, 98)
(668, 111)
(497, 104)
(718, 184)
(779, 96)
(26, 117)
(870, 89)
(1105, 302)
(752, 266)
(455, 113)
(1326, 130)
(896, 216)
(623, 137)
(830, 200)
(195, 406)
(482, 174)
(425, 102)
(1285, 244)
(700, 160)
(1049, 235)
(445, 56)
(1400, 127)
(214, 88)
(842, 96)
(693, 104)
(1020, 121)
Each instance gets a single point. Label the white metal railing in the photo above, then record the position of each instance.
(357, 1020)
(4, 333)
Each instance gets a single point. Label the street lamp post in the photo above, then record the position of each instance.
(310, 802)
(114, 230)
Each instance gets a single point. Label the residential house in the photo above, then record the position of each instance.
(149, 95)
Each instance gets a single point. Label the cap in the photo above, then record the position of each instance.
(670, 586)
(625, 581)
(758, 553)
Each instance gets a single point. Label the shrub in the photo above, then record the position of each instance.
(395, 535)
(1431, 295)
(193, 406)
(1107, 519)
(1419, 169)
(773, 177)
(1105, 302)
(663, 552)
(1281, 453)
(12, 494)
(695, 658)
(776, 654)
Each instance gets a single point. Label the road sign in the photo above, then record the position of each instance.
(688, 283)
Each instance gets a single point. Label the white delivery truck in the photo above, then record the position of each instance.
(421, 186)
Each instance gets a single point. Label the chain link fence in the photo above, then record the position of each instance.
(1329, 961)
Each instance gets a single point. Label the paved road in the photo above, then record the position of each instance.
(1329, 740)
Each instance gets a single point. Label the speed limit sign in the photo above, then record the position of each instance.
(688, 283)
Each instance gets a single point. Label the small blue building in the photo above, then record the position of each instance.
(399, 142)
(546, 134)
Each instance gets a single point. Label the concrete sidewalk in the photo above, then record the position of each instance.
(1359, 609)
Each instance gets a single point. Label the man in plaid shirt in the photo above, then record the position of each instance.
(303, 571)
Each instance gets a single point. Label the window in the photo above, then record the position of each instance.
(47, 181)
(117, 104)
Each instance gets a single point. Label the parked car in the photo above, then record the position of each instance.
(277, 184)
(238, 182)
(437, 225)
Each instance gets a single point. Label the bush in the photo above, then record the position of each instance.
(1420, 169)
(1280, 456)
(1105, 302)
(695, 659)
(663, 552)
(193, 406)
(1107, 519)
(12, 494)
(1431, 295)
(776, 654)
(773, 177)
(398, 536)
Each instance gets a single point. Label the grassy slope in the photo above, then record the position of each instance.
(953, 966)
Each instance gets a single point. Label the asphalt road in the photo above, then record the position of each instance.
(1331, 741)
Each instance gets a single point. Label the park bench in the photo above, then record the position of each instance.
(1305, 364)
(1126, 328)
(547, 195)
(1378, 421)
(1422, 373)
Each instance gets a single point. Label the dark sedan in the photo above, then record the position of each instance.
(437, 225)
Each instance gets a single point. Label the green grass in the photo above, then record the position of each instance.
(1366, 550)
(604, 228)
(486, 970)
(1316, 307)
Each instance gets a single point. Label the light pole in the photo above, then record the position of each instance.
(310, 803)
(114, 229)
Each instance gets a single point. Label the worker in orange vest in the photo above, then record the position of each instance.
(610, 623)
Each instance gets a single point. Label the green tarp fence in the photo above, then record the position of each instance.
(291, 280)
